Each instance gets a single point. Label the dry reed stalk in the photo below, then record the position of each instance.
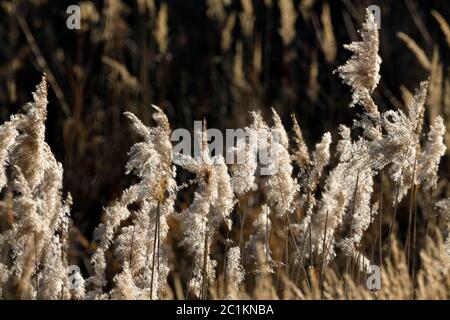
(322, 265)
(161, 31)
(434, 99)
(216, 10)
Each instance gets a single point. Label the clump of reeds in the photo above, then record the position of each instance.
(35, 245)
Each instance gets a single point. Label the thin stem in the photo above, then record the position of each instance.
(64, 254)
(411, 204)
(190, 278)
(392, 225)
(242, 215)
(323, 255)
(154, 251)
(286, 244)
(381, 220)
(36, 265)
(205, 266)
(205, 260)
(158, 245)
(355, 193)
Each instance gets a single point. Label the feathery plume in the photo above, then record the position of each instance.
(280, 186)
(243, 171)
(434, 99)
(428, 163)
(414, 47)
(306, 7)
(216, 10)
(329, 41)
(443, 207)
(320, 159)
(4, 275)
(361, 71)
(300, 153)
(404, 131)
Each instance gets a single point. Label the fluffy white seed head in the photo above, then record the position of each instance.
(361, 71)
